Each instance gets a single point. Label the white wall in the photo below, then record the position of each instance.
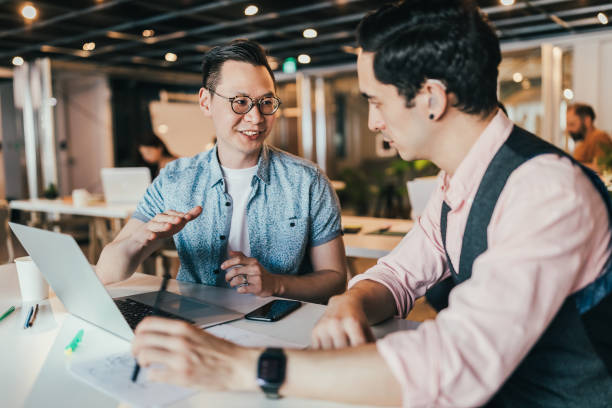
(84, 121)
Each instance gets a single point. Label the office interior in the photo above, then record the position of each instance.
(82, 84)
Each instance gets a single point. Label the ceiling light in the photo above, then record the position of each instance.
(251, 10)
(310, 33)
(603, 19)
(17, 61)
(506, 2)
(170, 57)
(89, 46)
(29, 12)
(517, 77)
(148, 33)
(568, 94)
(304, 59)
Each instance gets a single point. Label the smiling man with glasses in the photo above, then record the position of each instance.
(244, 214)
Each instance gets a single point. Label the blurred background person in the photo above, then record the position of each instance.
(155, 153)
(591, 143)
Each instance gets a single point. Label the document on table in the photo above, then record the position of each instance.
(112, 375)
(248, 338)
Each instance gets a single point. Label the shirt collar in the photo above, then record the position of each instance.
(467, 178)
(263, 166)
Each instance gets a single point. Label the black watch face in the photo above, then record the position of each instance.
(271, 369)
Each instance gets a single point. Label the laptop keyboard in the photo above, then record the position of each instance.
(134, 312)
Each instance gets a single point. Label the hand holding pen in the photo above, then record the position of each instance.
(162, 289)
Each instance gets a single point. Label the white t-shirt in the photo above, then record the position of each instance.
(238, 183)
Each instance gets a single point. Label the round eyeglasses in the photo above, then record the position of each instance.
(243, 104)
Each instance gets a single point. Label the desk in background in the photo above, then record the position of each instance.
(363, 244)
(33, 372)
(98, 213)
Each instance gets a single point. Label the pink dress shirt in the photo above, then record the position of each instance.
(548, 237)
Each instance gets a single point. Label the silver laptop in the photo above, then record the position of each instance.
(73, 280)
(125, 185)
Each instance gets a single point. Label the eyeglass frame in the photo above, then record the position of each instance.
(253, 101)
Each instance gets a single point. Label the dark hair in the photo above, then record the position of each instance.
(151, 140)
(448, 40)
(583, 110)
(237, 50)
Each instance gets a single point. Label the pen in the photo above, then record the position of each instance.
(27, 321)
(31, 322)
(74, 343)
(8, 312)
(155, 312)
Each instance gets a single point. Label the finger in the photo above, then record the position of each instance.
(234, 261)
(314, 341)
(235, 271)
(175, 213)
(355, 332)
(325, 342)
(161, 341)
(195, 211)
(168, 218)
(159, 226)
(167, 326)
(237, 279)
(339, 337)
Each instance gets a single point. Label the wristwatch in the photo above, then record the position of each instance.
(271, 371)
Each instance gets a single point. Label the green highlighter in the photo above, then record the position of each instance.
(8, 312)
(74, 343)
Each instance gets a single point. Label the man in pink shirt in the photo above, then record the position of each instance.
(522, 230)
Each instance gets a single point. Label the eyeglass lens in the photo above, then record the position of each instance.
(243, 104)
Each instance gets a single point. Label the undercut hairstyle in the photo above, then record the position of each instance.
(237, 50)
(448, 40)
(582, 110)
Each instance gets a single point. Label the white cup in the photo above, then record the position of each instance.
(80, 197)
(33, 285)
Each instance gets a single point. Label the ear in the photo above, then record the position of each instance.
(205, 101)
(437, 99)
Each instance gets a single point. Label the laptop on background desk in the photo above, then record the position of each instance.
(75, 283)
(125, 185)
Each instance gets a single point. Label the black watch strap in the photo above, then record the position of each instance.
(271, 371)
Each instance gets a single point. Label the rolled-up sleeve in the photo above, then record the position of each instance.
(546, 241)
(324, 212)
(415, 264)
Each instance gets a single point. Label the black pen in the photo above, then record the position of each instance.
(155, 312)
(31, 322)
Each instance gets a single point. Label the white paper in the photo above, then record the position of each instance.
(248, 338)
(113, 375)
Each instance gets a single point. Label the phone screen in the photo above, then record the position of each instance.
(273, 311)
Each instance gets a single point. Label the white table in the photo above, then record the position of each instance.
(61, 206)
(366, 245)
(359, 245)
(99, 233)
(33, 369)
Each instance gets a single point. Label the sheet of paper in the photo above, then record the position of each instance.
(248, 338)
(112, 375)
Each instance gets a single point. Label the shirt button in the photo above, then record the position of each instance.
(227, 204)
(292, 224)
(222, 237)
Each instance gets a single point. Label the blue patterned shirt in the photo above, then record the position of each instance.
(292, 208)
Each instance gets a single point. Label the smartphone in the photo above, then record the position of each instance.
(273, 311)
